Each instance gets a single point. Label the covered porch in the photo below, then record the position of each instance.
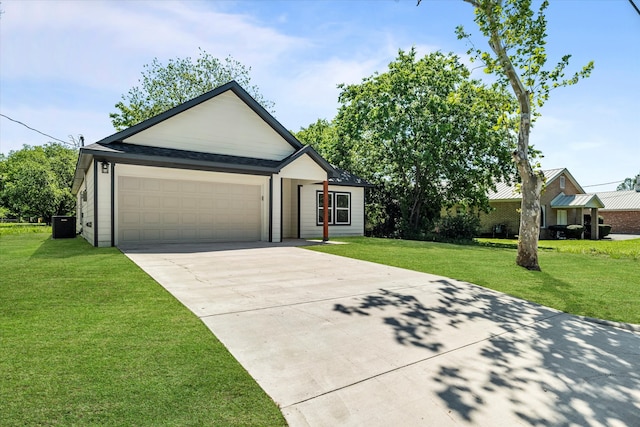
(572, 210)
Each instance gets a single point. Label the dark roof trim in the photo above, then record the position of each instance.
(232, 86)
(347, 179)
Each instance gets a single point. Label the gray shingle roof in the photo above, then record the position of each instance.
(348, 179)
(620, 200)
(169, 156)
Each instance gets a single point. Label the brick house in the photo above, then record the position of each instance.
(621, 210)
(563, 202)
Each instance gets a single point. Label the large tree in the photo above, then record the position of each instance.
(629, 184)
(517, 57)
(164, 86)
(424, 133)
(36, 181)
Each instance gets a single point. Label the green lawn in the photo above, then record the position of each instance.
(87, 338)
(605, 285)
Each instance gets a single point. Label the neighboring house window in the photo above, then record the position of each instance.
(339, 208)
(562, 183)
(561, 217)
(543, 217)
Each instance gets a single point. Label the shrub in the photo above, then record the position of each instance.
(457, 228)
(604, 230)
(574, 231)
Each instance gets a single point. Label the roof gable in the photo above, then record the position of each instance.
(226, 120)
(507, 192)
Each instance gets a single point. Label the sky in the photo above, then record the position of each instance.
(65, 64)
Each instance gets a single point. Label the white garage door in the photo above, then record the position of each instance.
(160, 210)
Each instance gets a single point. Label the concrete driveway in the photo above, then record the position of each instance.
(341, 342)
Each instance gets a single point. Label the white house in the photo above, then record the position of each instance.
(218, 168)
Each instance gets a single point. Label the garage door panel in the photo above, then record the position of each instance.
(189, 219)
(150, 185)
(151, 218)
(151, 201)
(132, 218)
(171, 202)
(154, 210)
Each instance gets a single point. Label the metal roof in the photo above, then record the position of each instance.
(506, 191)
(577, 201)
(620, 200)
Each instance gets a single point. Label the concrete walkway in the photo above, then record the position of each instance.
(341, 342)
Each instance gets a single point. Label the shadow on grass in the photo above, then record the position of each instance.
(537, 365)
(67, 248)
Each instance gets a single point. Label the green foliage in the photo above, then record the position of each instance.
(22, 228)
(518, 58)
(629, 184)
(89, 339)
(164, 86)
(452, 228)
(36, 181)
(512, 27)
(603, 230)
(574, 231)
(425, 134)
(587, 283)
(606, 248)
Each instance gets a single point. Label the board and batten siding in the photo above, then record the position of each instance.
(88, 205)
(308, 212)
(223, 125)
(104, 207)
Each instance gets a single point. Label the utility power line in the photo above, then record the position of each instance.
(35, 130)
(606, 183)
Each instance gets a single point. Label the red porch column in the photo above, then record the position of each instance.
(325, 211)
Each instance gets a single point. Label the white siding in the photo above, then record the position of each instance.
(308, 212)
(221, 125)
(304, 167)
(288, 228)
(104, 207)
(276, 200)
(87, 206)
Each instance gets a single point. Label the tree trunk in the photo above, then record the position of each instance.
(529, 218)
(531, 182)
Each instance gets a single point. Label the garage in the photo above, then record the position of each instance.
(153, 210)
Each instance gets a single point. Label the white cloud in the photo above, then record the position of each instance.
(105, 44)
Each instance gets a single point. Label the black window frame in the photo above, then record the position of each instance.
(333, 208)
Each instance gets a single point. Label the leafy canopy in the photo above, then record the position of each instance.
(163, 87)
(517, 57)
(36, 181)
(629, 184)
(512, 27)
(425, 133)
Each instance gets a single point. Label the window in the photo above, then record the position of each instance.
(339, 208)
(561, 217)
(543, 217)
(562, 182)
